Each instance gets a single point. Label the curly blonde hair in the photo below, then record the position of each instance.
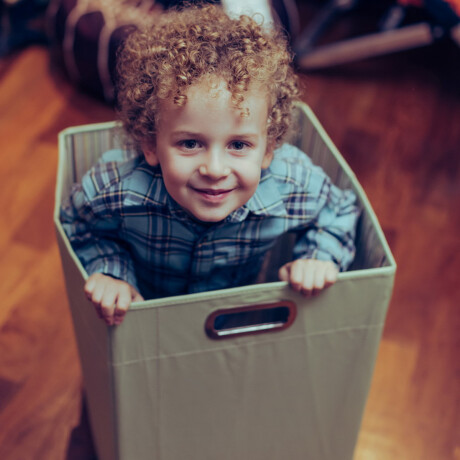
(184, 46)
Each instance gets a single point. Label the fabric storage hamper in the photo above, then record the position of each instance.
(167, 384)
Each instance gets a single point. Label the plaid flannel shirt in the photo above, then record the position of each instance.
(121, 221)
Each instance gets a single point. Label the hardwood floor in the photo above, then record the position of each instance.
(40, 379)
(396, 120)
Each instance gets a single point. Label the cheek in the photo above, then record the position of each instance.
(248, 173)
(177, 170)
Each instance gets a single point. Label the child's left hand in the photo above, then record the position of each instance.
(309, 276)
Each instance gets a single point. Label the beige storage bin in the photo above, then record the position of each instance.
(159, 387)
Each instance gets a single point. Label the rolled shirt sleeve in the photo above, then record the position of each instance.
(331, 233)
(91, 220)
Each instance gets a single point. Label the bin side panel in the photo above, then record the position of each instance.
(297, 399)
(93, 347)
(370, 250)
(88, 146)
(139, 410)
(294, 394)
(307, 138)
(135, 352)
(180, 328)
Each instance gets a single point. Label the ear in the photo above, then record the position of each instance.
(150, 154)
(268, 157)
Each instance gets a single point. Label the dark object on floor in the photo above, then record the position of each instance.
(81, 446)
(85, 35)
(437, 20)
(21, 23)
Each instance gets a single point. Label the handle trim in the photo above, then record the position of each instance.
(287, 309)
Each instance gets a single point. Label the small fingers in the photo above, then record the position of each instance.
(319, 279)
(309, 276)
(125, 298)
(108, 310)
(299, 277)
(94, 290)
(325, 276)
(305, 279)
(122, 305)
(89, 291)
(111, 297)
(106, 300)
(126, 295)
(330, 275)
(91, 284)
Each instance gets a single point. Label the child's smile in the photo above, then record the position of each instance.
(213, 195)
(210, 155)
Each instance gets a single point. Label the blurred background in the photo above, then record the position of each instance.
(383, 77)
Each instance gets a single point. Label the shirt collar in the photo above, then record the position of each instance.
(266, 200)
(146, 186)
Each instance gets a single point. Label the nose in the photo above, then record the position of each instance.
(214, 165)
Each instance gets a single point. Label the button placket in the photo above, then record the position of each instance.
(200, 264)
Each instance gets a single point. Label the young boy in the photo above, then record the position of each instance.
(207, 100)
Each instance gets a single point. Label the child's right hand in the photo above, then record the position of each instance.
(111, 297)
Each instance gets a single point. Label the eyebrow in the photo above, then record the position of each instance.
(185, 133)
(197, 134)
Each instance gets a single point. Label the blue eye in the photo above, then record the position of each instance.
(238, 145)
(189, 144)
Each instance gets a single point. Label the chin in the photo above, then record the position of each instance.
(210, 218)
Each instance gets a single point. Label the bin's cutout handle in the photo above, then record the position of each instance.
(250, 319)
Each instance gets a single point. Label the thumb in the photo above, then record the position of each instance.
(283, 272)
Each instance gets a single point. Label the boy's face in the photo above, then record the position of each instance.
(210, 156)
